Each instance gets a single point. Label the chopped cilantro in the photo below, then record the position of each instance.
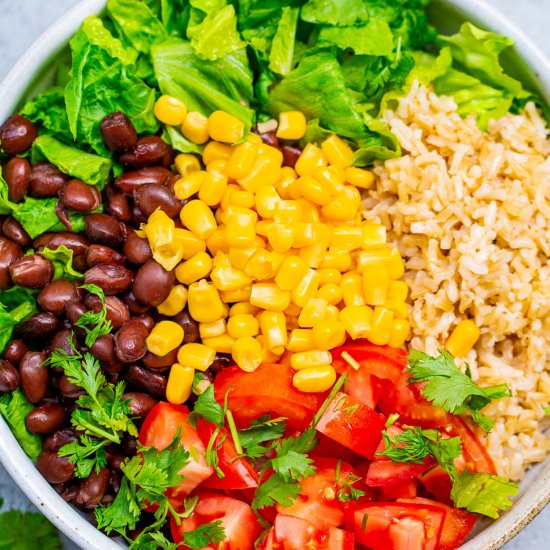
(205, 535)
(94, 324)
(262, 430)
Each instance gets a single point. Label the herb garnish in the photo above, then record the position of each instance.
(94, 324)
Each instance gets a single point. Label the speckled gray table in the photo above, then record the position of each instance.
(23, 20)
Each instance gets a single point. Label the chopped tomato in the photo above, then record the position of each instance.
(267, 390)
(412, 408)
(475, 454)
(438, 483)
(292, 533)
(352, 424)
(160, 428)
(398, 525)
(380, 366)
(328, 448)
(406, 489)
(456, 527)
(318, 501)
(238, 472)
(239, 522)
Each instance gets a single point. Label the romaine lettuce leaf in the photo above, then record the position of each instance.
(336, 12)
(11, 314)
(91, 169)
(281, 56)
(62, 260)
(101, 83)
(373, 38)
(179, 142)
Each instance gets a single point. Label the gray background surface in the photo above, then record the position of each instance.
(22, 20)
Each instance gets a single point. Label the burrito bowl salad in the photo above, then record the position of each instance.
(275, 275)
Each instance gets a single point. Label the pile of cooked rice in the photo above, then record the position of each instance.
(470, 212)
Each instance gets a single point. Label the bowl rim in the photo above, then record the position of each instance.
(14, 86)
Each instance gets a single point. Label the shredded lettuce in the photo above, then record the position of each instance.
(16, 305)
(281, 57)
(373, 38)
(62, 260)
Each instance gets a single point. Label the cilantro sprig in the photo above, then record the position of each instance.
(451, 389)
(94, 324)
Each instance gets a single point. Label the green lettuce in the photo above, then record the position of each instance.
(281, 56)
(91, 169)
(62, 260)
(14, 407)
(16, 305)
(373, 38)
(179, 142)
(102, 82)
(336, 12)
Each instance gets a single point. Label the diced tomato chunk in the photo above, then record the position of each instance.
(406, 489)
(352, 424)
(385, 473)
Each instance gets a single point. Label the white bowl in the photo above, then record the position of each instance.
(32, 72)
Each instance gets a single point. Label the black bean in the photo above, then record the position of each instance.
(111, 278)
(130, 341)
(14, 352)
(290, 155)
(80, 197)
(135, 307)
(148, 151)
(152, 284)
(34, 376)
(136, 249)
(118, 132)
(117, 310)
(126, 183)
(152, 196)
(56, 469)
(149, 382)
(46, 419)
(9, 377)
(161, 363)
(32, 271)
(64, 340)
(99, 254)
(74, 311)
(221, 361)
(140, 403)
(103, 349)
(17, 173)
(56, 295)
(91, 490)
(10, 252)
(189, 325)
(270, 138)
(58, 439)
(147, 320)
(13, 230)
(46, 180)
(17, 135)
(68, 389)
(118, 205)
(104, 229)
(73, 241)
(38, 329)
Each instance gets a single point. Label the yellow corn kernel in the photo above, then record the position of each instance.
(273, 327)
(243, 324)
(165, 337)
(225, 127)
(359, 177)
(234, 296)
(338, 152)
(217, 242)
(241, 160)
(344, 206)
(305, 234)
(312, 312)
(245, 216)
(189, 243)
(329, 275)
(352, 289)
(280, 236)
(197, 356)
(170, 110)
(218, 166)
(308, 359)
(399, 333)
(290, 211)
(331, 292)
(331, 177)
(375, 285)
(329, 334)
(271, 153)
(159, 229)
(186, 164)
(198, 218)
(312, 157)
(212, 188)
(195, 127)
(400, 309)
(211, 330)
(313, 190)
(175, 302)
(269, 296)
(339, 259)
(268, 356)
(396, 266)
(332, 314)
(216, 151)
(266, 201)
(243, 308)
(315, 254)
(292, 125)
(357, 320)
(239, 257)
(315, 379)
(382, 323)
(306, 288)
(379, 258)
(240, 232)
(346, 238)
(188, 185)
(235, 196)
(254, 138)
(291, 272)
(197, 267)
(204, 303)
(292, 311)
(225, 277)
(398, 291)
(373, 236)
(180, 384)
(220, 344)
(287, 177)
(463, 338)
(261, 265)
(300, 339)
(310, 211)
(247, 353)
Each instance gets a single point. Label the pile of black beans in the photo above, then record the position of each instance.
(110, 255)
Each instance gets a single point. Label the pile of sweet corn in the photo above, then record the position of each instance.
(274, 263)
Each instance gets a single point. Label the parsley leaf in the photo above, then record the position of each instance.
(24, 530)
(451, 389)
(483, 493)
(208, 408)
(292, 462)
(152, 541)
(205, 535)
(94, 324)
(123, 513)
(261, 431)
(275, 490)
(347, 492)
(86, 454)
